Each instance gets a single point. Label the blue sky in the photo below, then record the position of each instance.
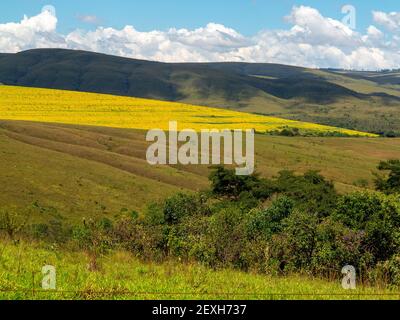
(245, 16)
(297, 32)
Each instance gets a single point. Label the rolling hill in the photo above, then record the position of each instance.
(80, 154)
(356, 100)
(75, 171)
(76, 154)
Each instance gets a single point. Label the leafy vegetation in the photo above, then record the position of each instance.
(290, 224)
(296, 132)
(391, 184)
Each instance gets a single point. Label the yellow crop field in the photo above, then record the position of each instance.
(60, 106)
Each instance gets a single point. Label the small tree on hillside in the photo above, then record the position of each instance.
(93, 236)
(226, 184)
(11, 222)
(390, 183)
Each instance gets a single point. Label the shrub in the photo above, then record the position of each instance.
(94, 238)
(362, 183)
(311, 191)
(183, 205)
(185, 239)
(154, 214)
(336, 246)
(265, 223)
(53, 231)
(12, 222)
(288, 133)
(388, 271)
(375, 214)
(391, 183)
(292, 249)
(40, 231)
(227, 235)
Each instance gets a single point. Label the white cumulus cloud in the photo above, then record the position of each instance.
(389, 20)
(36, 32)
(310, 40)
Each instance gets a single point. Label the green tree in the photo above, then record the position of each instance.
(390, 183)
(310, 191)
(225, 183)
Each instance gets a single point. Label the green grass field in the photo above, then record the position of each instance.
(78, 171)
(122, 276)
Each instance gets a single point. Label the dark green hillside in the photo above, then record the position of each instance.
(86, 71)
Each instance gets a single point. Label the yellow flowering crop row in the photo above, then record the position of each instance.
(60, 106)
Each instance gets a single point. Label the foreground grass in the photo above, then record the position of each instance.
(122, 276)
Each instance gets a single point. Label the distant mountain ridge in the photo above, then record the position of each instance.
(273, 89)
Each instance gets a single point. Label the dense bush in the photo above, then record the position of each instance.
(293, 247)
(266, 222)
(336, 246)
(378, 216)
(183, 205)
(311, 191)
